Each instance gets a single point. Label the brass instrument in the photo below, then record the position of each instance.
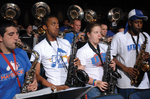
(60, 34)
(41, 31)
(39, 10)
(10, 11)
(105, 39)
(90, 16)
(141, 65)
(30, 75)
(115, 15)
(74, 12)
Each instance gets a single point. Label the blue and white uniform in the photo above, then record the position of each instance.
(91, 61)
(124, 49)
(50, 57)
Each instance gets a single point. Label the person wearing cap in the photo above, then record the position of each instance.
(125, 47)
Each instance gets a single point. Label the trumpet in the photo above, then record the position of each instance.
(106, 39)
(41, 31)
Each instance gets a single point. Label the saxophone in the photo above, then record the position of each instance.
(30, 75)
(141, 65)
(75, 77)
(110, 76)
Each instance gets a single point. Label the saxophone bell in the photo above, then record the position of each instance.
(116, 75)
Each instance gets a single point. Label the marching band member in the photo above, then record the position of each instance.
(104, 32)
(76, 26)
(65, 26)
(125, 49)
(53, 55)
(14, 62)
(92, 61)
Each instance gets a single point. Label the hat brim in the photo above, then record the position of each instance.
(145, 18)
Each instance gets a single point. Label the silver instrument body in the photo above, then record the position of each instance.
(40, 9)
(90, 16)
(10, 11)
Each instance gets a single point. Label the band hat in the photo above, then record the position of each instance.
(133, 15)
(137, 13)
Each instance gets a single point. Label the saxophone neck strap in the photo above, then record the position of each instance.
(7, 61)
(97, 51)
(136, 43)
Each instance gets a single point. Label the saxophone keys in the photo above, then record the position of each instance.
(145, 67)
(136, 81)
(132, 82)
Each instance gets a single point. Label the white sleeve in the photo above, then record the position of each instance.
(114, 45)
(81, 54)
(69, 49)
(36, 48)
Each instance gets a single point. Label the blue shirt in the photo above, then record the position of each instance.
(8, 81)
(110, 33)
(69, 36)
(63, 28)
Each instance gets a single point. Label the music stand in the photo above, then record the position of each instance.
(33, 94)
(71, 93)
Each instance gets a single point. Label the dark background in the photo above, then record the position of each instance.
(101, 7)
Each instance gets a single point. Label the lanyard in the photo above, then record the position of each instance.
(7, 61)
(96, 51)
(136, 44)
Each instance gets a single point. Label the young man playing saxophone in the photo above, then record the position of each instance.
(54, 55)
(126, 48)
(14, 62)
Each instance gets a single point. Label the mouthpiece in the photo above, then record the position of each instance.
(19, 45)
(25, 47)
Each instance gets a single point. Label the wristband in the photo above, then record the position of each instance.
(94, 82)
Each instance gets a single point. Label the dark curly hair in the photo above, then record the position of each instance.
(4, 24)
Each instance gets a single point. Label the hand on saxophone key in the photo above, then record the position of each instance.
(113, 65)
(33, 86)
(77, 62)
(131, 71)
(102, 85)
(146, 56)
